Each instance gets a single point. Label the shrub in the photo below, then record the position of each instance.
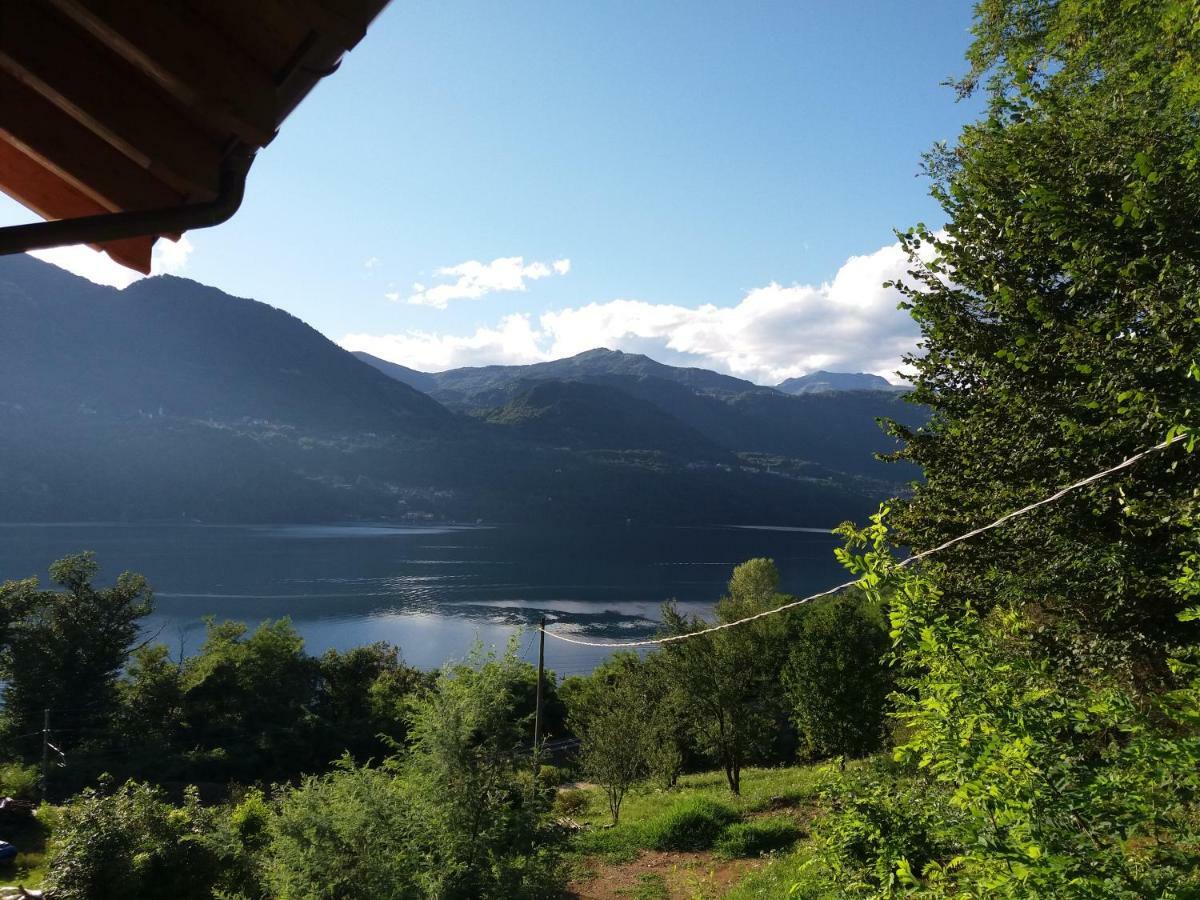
(694, 824)
(345, 834)
(748, 839)
(18, 781)
(571, 803)
(883, 822)
(131, 844)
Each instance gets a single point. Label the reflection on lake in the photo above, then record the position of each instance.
(431, 591)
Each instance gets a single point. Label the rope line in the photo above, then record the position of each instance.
(1007, 517)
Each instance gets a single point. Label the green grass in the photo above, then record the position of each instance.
(28, 868)
(792, 869)
(691, 823)
(750, 839)
(649, 887)
(796, 876)
(649, 812)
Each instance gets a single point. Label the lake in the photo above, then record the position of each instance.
(431, 591)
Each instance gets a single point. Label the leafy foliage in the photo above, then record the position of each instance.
(1058, 778)
(481, 814)
(345, 834)
(1047, 686)
(836, 678)
(613, 718)
(730, 677)
(64, 649)
(1060, 316)
(132, 843)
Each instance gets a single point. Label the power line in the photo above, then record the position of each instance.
(1057, 495)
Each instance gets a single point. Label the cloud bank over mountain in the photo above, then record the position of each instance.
(773, 332)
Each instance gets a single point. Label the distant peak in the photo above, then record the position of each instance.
(821, 381)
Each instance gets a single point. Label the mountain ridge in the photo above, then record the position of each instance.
(171, 400)
(822, 382)
(833, 428)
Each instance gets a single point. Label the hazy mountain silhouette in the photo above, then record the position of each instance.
(834, 428)
(169, 346)
(822, 382)
(172, 400)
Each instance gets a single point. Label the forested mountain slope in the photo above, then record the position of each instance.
(832, 428)
(172, 400)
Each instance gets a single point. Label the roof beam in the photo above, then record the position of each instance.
(52, 198)
(105, 94)
(330, 19)
(75, 154)
(187, 57)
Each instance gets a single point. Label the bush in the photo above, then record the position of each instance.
(132, 843)
(345, 834)
(571, 803)
(694, 824)
(882, 821)
(18, 781)
(749, 839)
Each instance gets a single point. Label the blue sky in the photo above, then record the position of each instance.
(717, 183)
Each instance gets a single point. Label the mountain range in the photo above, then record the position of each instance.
(171, 400)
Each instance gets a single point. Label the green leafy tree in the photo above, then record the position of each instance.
(1046, 684)
(836, 678)
(360, 702)
(478, 809)
(63, 650)
(669, 744)
(613, 717)
(246, 700)
(1060, 316)
(456, 815)
(731, 677)
(1057, 779)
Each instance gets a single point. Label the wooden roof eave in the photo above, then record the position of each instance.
(121, 121)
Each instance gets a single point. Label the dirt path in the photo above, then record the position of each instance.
(679, 876)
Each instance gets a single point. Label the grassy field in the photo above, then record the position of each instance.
(700, 827)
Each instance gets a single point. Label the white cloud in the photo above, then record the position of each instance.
(774, 332)
(514, 341)
(167, 258)
(474, 279)
(371, 262)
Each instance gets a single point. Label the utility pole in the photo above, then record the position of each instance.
(537, 716)
(45, 752)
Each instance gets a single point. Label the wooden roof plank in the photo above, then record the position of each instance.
(76, 154)
(50, 197)
(107, 95)
(188, 58)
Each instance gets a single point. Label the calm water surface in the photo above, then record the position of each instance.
(431, 591)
